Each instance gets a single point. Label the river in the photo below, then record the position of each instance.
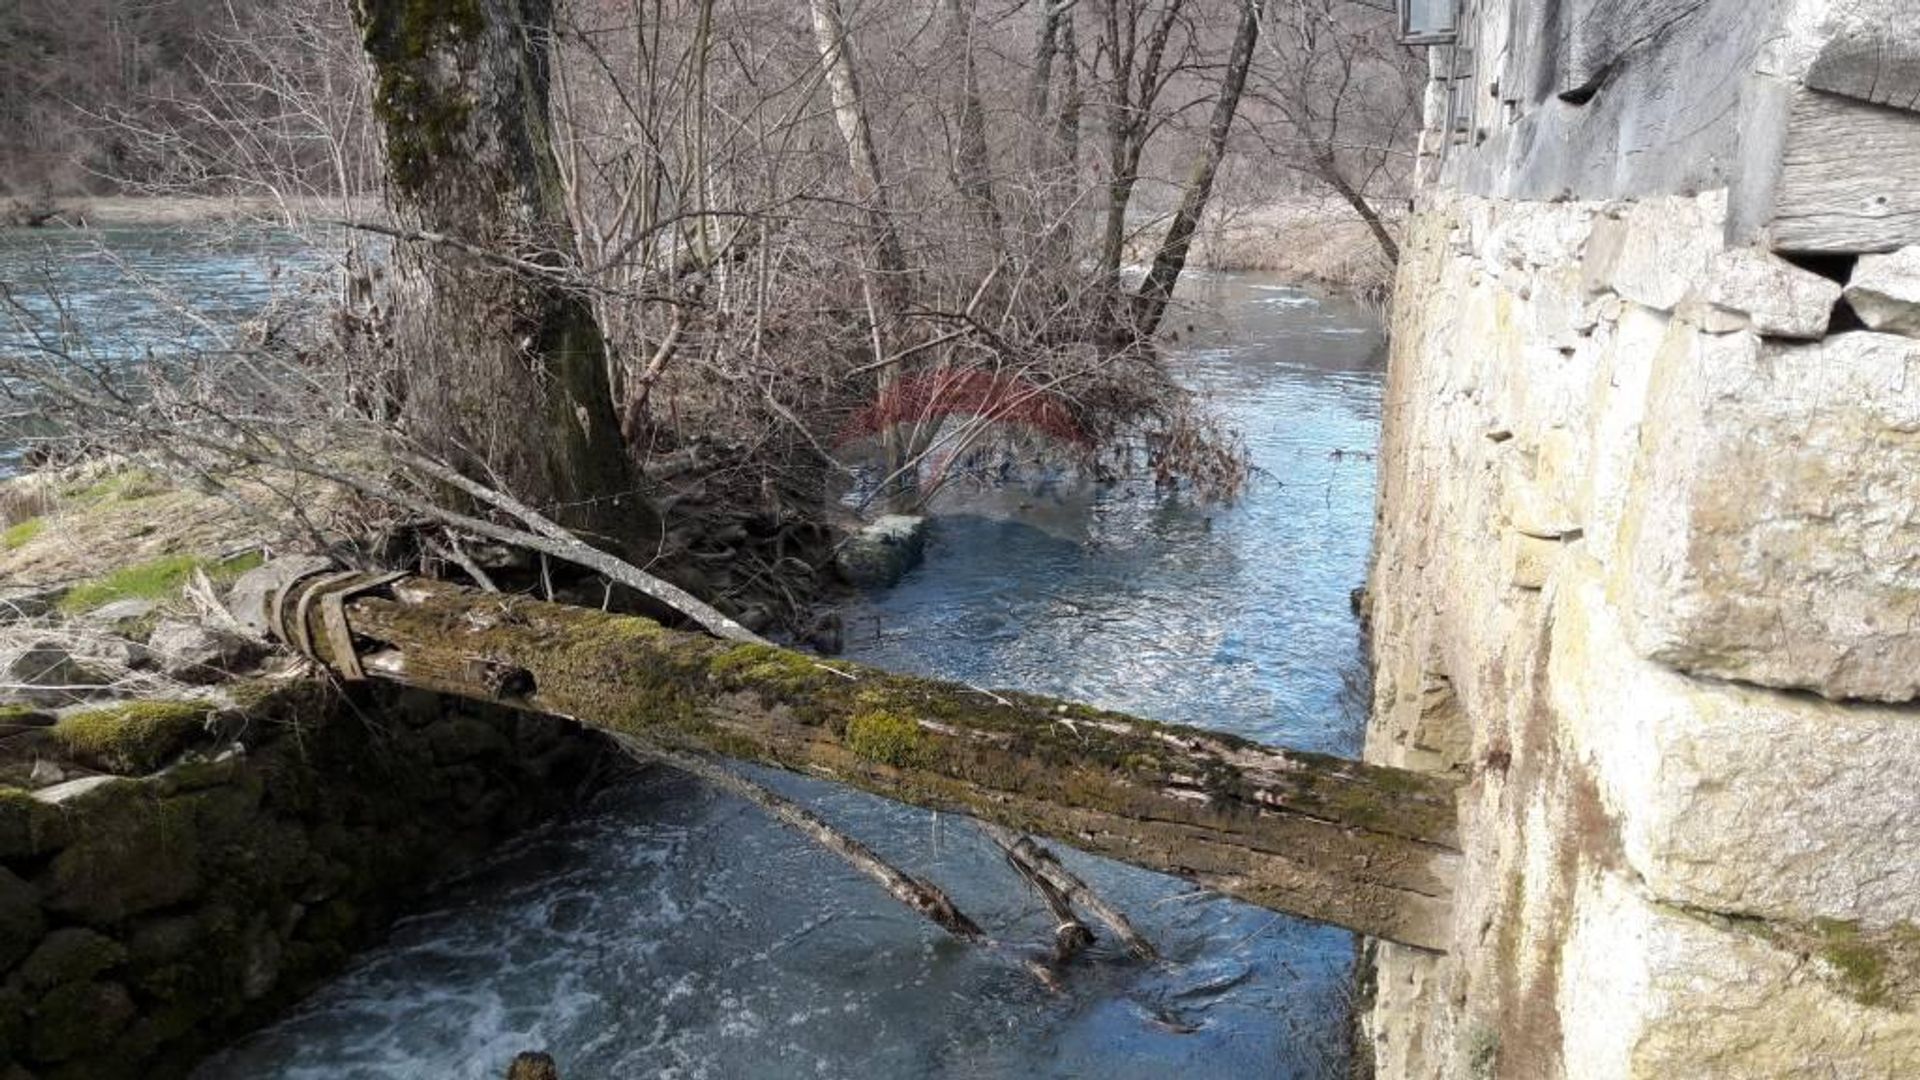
(674, 932)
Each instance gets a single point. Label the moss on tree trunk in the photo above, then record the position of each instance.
(506, 370)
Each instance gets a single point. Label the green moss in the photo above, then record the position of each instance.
(21, 534)
(126, 485)
(767, 668)
(417, 95)
(29, 827)
(21, 714)
(77, 1017)
(70, 954)
(886, 737)
(1861, 965)
(156, 579)
(137, 737)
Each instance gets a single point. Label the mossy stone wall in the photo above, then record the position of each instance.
(147, 920)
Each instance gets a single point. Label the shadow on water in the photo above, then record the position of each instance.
(671, 932)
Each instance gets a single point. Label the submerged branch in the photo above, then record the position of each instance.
(924, 897)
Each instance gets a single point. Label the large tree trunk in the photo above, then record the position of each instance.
(1363, 846)
(507, 367)
(1157, 290)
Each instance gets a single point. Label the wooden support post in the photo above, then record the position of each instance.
(1361, 846)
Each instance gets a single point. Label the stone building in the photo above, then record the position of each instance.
(1647, 571)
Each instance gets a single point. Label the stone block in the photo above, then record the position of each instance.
(1885, 291)
(1750, 288)
(1529, 560)
(1774, 523)
(1650, 993)
(1654, 251)
(134, 854)
(1734, 798)
(199, 654)
(21, 924)
(881, 553)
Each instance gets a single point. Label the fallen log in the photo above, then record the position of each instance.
(1369, 848)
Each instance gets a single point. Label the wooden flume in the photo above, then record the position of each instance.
(1362, 846)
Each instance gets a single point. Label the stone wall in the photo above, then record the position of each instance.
(1648, 576)
(147, 919)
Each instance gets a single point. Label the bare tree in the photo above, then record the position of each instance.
(1157, 290)
(1348, 94)
(1132, 50)
(461, 96)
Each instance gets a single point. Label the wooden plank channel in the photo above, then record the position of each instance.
(1357, 845)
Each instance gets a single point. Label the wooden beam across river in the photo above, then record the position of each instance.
(1361, 846)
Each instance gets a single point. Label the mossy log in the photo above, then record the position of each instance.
(1361, 846)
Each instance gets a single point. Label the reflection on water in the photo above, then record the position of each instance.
(673, 932)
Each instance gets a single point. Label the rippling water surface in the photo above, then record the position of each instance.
(673, 932)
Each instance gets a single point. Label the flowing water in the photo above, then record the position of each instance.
(674, 932)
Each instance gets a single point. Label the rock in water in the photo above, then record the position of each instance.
(880, 554)
(533, 1066)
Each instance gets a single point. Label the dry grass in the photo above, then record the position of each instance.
(1320, 242)
(92, 519)
(120, 211)
(1311, 241)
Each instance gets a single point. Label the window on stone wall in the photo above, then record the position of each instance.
(1428, 22)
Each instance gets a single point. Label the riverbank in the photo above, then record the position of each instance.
(1316, 242)
(174, 211)
(1309, 241)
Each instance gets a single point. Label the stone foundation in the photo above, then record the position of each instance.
(1648, 576)
(146, 920)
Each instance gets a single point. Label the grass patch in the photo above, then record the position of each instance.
(137, 737)
(124, 486)
(21, 534)
(157, 579)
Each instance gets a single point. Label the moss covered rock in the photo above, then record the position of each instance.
(30, 827)
(133, 738)
(136, 854)
(76, 1018)
(70, 954)
(21, 924)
